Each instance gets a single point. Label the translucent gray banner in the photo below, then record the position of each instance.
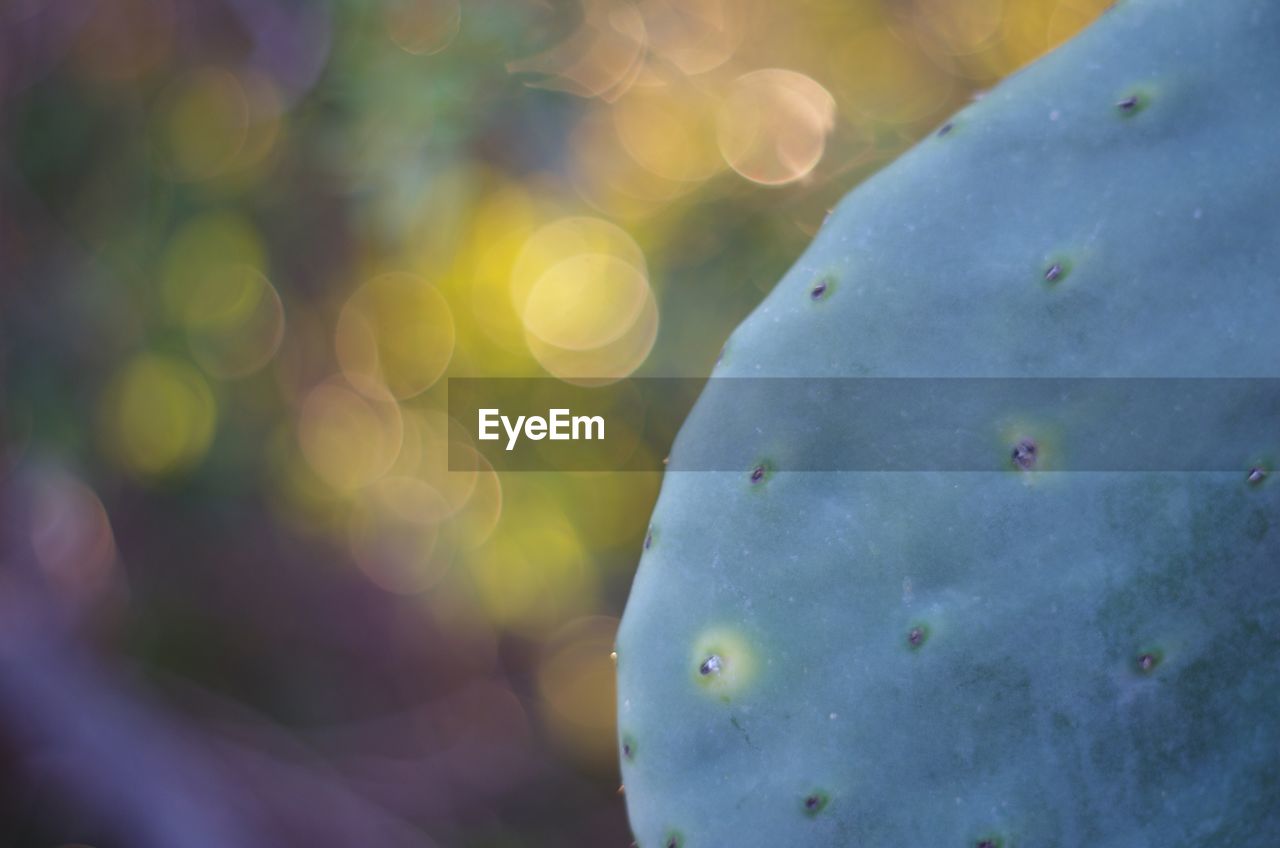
(873, 424)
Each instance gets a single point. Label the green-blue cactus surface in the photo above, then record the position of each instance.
(1022, 658)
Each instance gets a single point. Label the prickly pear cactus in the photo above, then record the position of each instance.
(1020, 658)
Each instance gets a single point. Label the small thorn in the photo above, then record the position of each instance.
(945, 128)
(711, 665)
(622, 789)
(613, 655)
(1054, 272)
(1129, 104)
(757, 474)
(1256, 476)
(1024, 454)
(915, 637)
(1147, 662)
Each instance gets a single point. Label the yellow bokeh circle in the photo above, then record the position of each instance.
(534, 571)
(194, 270)
(585, 301)
(606, 364)
(563, 239)
(204, 121)
(159, 415)
(396, 330)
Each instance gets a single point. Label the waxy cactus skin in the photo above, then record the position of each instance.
(1014, 659)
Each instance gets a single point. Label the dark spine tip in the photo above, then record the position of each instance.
(1129, 105)
(1256, 476)
(1053, 273)
(822, 287)
(1024, 455)
(1147, 662)
(711, 665)
(673, 841)
(945, 128)
(815, 803)
(916, 637)
(757, 474)
(648, 540)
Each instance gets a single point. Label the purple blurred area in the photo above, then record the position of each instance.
(368, 727)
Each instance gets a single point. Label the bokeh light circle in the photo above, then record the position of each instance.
(473, 526)
(349, 438)
(695, 36)
(601, 58)
(71, 534)
(773, 126)
(608, 177)
(670, 131)
(396, 330)
(243, 332)
(947, 28)
(534, 570)
(204, 121)
(197, 261)
(159, 415)
(422, 27)
(606, 364)
(563, 239)
(585, 301)
(450, 468)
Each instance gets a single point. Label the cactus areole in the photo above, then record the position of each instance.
(1031, 658)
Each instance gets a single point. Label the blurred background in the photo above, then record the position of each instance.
(244, 243)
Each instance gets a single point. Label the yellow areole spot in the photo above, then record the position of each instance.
(722, 662)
